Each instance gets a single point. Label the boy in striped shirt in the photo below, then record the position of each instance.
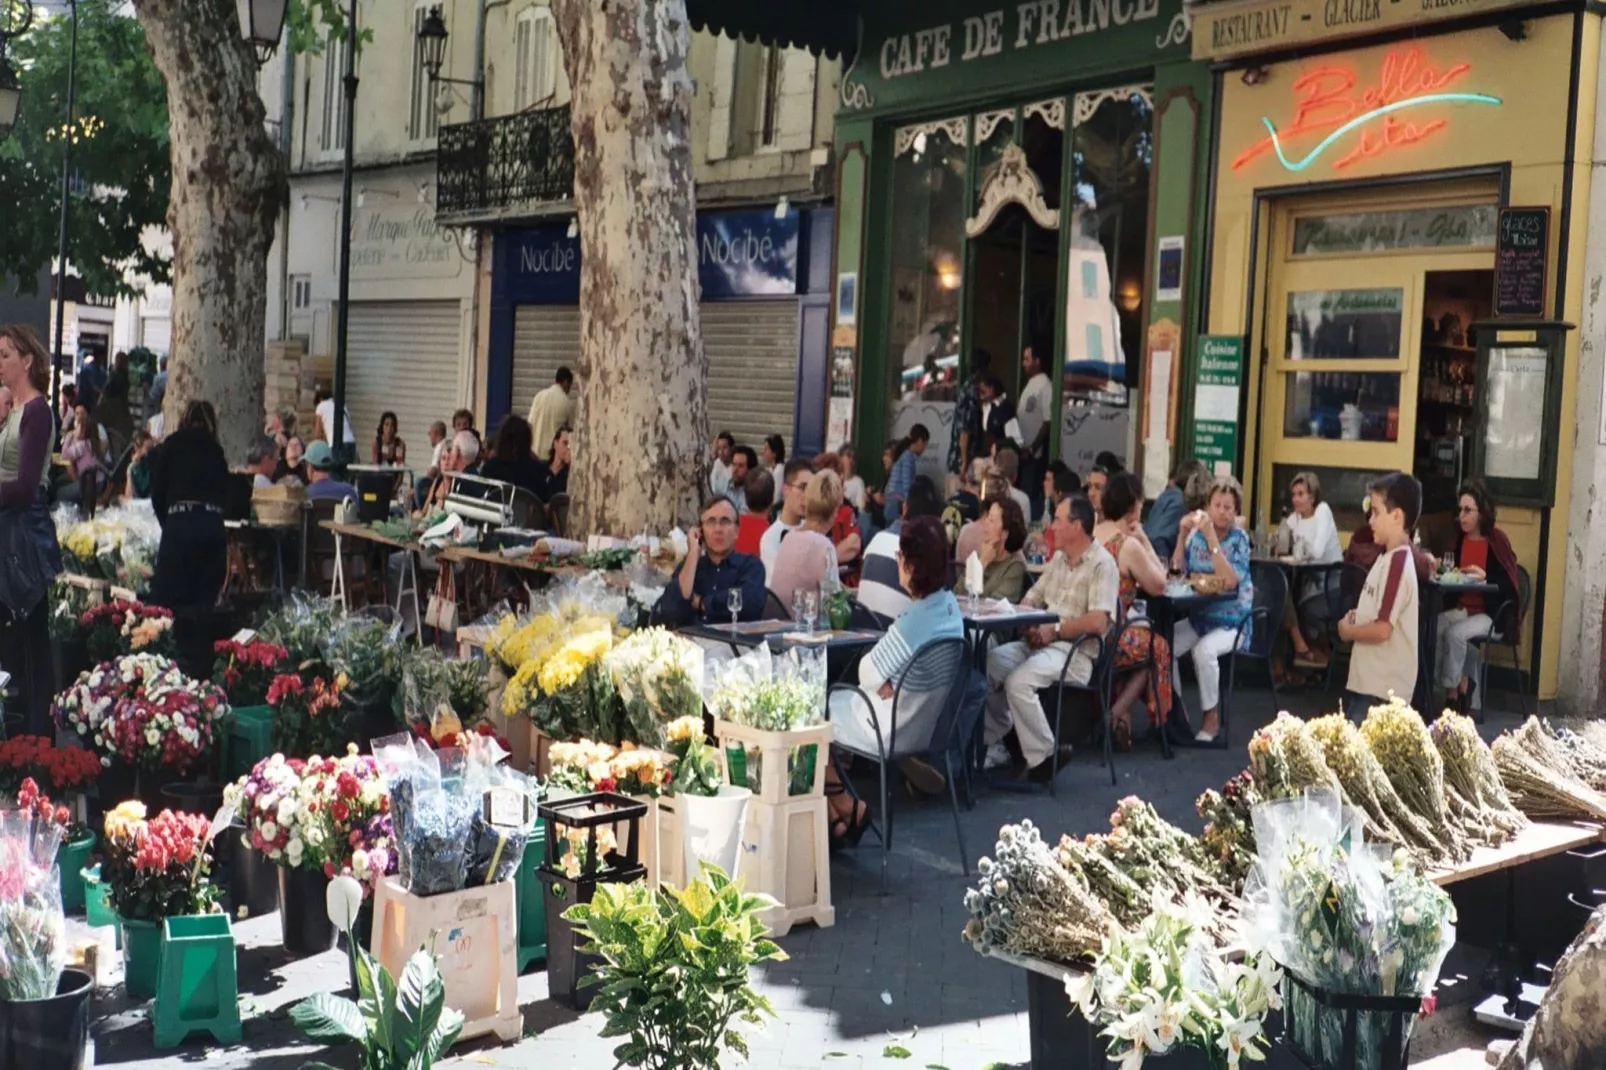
(1383, 624)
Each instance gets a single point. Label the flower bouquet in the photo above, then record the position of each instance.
(561, 684)
(62, 770)
(117, 628)
(245, 671)
(268, 800)
(142, 711)
(303, 628)
(773, 693)
(1168, 984)
(659, 678)
(1026, 903)
(366, 651)
(696, 767)
(160, 867)
(68, 604)
(1344, 919)
(428, 679)
(307, 716)
(33, 930)
(586, 766)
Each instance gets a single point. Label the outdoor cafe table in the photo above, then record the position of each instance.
(1437, 588)
(407, 588)
(1177, 602)
(783, 635)
(990, 617)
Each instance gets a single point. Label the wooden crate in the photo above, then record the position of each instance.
(669, 853)
(460, 927)
(773, 748)
(786, 854)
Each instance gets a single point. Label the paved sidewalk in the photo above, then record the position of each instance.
(893, 971)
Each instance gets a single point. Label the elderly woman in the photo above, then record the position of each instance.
(1482, 553)
(806, 560)
(1210, 543)
(1121, 533)
(1003, 533)
(1310, 534)
(856, 718)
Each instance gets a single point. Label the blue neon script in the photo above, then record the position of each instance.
(1366, 117)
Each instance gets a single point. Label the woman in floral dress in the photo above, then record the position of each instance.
(1121, 533)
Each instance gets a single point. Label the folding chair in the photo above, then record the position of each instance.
(935, 674)
(1506, 633)
(1097, 686)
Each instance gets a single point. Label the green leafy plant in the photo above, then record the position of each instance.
(398, 1024)
(675, 966)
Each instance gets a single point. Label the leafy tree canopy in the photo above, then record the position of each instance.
(121, 171)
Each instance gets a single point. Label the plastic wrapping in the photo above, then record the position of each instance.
(659, 679)
(303, 628)
(33, 929)
(773, 693)
(1346, 917)
(495, 845)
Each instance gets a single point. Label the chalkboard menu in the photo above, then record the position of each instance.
(1522, 247)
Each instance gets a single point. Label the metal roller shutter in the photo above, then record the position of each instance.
(156, 334)
(545, 337)
(752, 368)
(402, 357)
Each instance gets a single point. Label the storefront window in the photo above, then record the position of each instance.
(1352, 406)
(1112, 154)
(928, 219)
(1345, 324)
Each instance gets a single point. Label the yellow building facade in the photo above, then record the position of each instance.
(1369, 161)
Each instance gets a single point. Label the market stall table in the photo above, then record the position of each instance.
(244, 531)
(407, 588)
(1439, 587)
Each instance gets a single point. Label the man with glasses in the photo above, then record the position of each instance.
(699, 593)
(794, 482)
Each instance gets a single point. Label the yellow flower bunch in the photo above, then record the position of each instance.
(580, 755)
(643, 764)
(519, 692)
(565, 667)
(578, 845)
(521, 646)
(125, 823)
(684, 729)
(81, 542)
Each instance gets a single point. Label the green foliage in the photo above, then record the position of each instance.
(308, 22)
(399, 1025)
(121, 171)
(675, 968)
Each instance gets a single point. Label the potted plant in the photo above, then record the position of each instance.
(245, 671)
(114, 629)
(672, 973)
(395, 1022)
(713, 814)
(69, 655)
(306, 715)
(44, 1007)
(157, 868)
(366, 653)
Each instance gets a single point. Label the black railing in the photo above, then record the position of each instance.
(506, 162)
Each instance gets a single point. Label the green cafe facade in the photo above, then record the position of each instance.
(1010, 174)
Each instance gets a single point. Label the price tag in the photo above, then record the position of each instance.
(505, 807)
(244, 636)
(220, 821)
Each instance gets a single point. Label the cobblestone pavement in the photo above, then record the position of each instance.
(893, 971)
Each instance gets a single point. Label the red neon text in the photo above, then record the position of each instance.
(1327, 98)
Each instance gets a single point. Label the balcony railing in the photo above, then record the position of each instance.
(498, 166)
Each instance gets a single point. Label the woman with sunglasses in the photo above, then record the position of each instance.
(1484, 554)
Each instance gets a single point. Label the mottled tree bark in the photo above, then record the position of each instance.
(228, 182)
(641, 450)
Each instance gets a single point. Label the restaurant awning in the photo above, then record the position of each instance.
(827, 26)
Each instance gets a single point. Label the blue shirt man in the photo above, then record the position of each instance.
(905, 468)
(320, 459)
(699, 593)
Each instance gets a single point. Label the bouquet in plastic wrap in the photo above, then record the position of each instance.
(1345, 918)
(559, 677)
(136, 549)
(774, 693)
(460, 818)
(33, 931)
(366, 650)
(658, 676)
(303, 628)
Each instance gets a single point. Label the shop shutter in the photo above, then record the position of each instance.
(156, 334)
(545, 338)
(752, 368)
(402, 357)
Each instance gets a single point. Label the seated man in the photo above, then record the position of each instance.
(1082, 585)
(320, 459)
(699, 592)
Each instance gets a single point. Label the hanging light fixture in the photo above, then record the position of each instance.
(262, 24)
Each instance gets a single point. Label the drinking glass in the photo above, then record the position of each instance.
(1447, 562)
(811, 610)
(797, 605)
(733, 602)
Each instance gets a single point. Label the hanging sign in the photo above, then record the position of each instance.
(1221, 31)
(1218, 382)
(1522, 248)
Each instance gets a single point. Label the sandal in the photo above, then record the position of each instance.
(851, 832)
(1121, 735)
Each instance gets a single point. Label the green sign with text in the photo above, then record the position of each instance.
(1219, 381)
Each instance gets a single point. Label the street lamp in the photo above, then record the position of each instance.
(261, 24)
(10, 98)
(432, 37)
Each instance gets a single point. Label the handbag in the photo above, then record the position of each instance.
(442, 612)
(25, 567)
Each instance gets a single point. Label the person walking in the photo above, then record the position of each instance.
(26, 532)
(552, 408)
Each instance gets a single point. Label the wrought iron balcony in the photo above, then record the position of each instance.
(504, 166)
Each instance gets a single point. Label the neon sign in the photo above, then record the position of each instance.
(1330, 101)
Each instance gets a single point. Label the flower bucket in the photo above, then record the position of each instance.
(142, 956)
(52, 1032)
(1329, 1031)
(204, 799)
(97, 904)
(711, 828)
(250, 881)
(303, 916)
(68, 658)
(532, 900)
(70, 859)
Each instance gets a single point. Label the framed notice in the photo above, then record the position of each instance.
(1522, 251)
(1518, 404)
(1218, 381)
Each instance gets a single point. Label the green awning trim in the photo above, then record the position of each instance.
(821, 26)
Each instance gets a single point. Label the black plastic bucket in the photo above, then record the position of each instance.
(304, 913)
(53, 1032)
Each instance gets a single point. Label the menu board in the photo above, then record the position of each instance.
(1522, 247)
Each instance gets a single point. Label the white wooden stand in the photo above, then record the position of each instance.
(467, 928)
(786, 854)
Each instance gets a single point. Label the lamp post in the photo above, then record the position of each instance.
(342, 316)
(16, 16)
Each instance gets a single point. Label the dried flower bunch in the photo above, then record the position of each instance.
(1026, 903)
(1367, 786)
(1229, 834)
(1470, 770)
(1404, 748)
(1587, 759)
(1538, 776)
(1286, 759)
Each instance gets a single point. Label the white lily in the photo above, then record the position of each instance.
(1080, 989)
(342, 901)
(1237, 1040)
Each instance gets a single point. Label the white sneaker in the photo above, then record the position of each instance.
(998, 757)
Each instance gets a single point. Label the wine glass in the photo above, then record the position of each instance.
(811, 610)
(733, 602)
(1447, 562)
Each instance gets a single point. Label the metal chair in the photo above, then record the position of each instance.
(937, 670)
(527, 507)
(774, 608)
(1146, 665)
(1097, 685)
(866, 619)
(1507, 633)
(558, 513)
(1265, 620)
